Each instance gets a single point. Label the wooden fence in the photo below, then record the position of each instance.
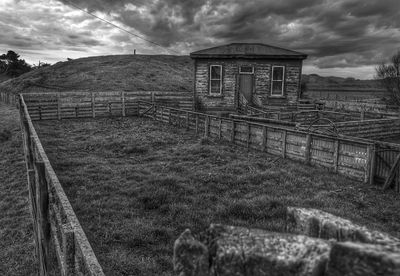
(8, 98)
(346, 156)
(56, 227)
(65, 105)
(350, 156)
(359, 106)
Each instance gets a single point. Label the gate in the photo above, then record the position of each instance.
(387, 165)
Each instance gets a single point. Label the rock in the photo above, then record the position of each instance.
(242, 251)
(190, 256)
(352, 259)
(319, 224)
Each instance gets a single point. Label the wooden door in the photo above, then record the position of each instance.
(246, 86)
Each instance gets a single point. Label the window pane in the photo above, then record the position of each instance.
(277, 87)
(246, 69)
(215, 87)
(215, 72)
(278, 73)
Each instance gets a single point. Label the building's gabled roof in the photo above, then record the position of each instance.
(247, 50)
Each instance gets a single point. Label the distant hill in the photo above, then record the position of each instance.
(153, 72)
(109, 73)
(314, 80)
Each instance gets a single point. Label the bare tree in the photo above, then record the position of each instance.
(389, 76)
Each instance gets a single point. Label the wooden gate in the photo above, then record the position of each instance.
(387, 165)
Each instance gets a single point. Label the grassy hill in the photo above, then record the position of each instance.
(109, 73)
(142, 72)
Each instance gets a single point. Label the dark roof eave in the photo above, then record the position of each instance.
(195, 56)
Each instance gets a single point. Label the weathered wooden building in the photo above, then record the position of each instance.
(230, 76)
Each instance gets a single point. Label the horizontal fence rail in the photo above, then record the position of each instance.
(56, 227)
(67, 105)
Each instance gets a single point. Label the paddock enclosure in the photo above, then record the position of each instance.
(349, 147)
(56, 226)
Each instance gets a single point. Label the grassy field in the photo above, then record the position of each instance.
(136, 185)
(17, 255)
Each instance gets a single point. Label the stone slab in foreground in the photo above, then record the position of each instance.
(319, 224)
(242, 251)
(356, 259)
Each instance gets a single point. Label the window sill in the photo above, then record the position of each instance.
(214, 96)
(276, 97)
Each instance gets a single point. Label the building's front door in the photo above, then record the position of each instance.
(246, 86)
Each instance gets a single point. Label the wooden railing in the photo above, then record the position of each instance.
(67, 105)
(8, 98)
(56, 227)
(350, 157)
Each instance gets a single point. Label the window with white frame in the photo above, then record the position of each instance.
(215, 80)
(278, 79)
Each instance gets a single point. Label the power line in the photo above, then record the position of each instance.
(120, 28)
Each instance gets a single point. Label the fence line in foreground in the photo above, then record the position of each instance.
(56, 227)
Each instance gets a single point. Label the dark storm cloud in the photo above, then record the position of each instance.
(357, 32)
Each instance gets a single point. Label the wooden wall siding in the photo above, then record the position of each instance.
(227, 100)
(346, 156)
(56, 227)
(262, 82)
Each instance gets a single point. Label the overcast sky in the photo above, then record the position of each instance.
(341, 37)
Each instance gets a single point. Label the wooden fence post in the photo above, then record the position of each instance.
(58, 106)
(42, 210)
(69, 249)
(284, 133)
(93, 105)
(372, 163)
(220, 129)
(264, 138)
(248, 136)
(307, 155)
(206, 126)
(123, 103)
(336, 155)
(233, 132)
(197, 123)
